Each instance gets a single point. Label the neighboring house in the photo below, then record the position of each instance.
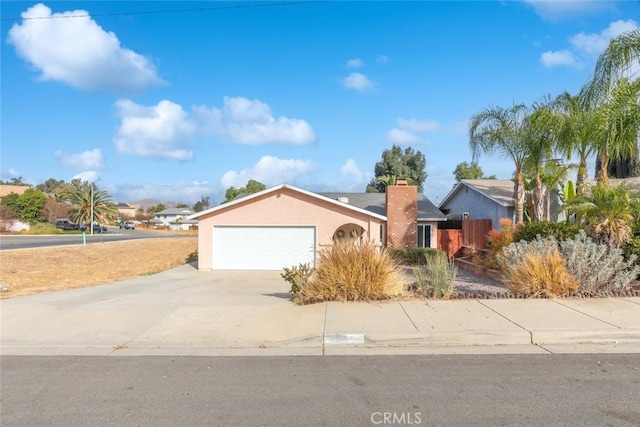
(480, 199)
(6, 189)
(285, 225)
(125, 210)
(175, 218)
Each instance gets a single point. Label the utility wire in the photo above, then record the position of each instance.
(152, 12)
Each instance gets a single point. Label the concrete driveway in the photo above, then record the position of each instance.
(189, 312)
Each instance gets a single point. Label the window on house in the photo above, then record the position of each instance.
(424, 236)
(383, 234)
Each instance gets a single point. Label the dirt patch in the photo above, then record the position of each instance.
(28, 272)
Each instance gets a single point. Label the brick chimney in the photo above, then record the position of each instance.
(402, 215)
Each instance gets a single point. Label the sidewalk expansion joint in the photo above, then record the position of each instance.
(409, 317)
(510, 321)
(324, 328)
(588, 315)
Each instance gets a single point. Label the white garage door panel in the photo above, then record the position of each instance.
(262, 248)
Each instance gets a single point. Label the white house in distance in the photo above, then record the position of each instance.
(175, 218)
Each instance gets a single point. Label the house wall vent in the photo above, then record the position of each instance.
(343, 199)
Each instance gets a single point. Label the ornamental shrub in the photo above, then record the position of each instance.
(349, 272)
(598, 268)
(559, 230)
(437, 278)
(413, 256)
(539, 274)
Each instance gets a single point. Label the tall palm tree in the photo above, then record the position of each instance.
(620, 60)
(503, 131)
(616, 61)
(575, 133)
(539, 125)
(617, 124)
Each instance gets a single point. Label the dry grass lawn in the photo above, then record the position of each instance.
(27, 272)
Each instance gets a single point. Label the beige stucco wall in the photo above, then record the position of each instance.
(284, 207)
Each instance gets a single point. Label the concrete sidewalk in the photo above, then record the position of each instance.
(187, 312)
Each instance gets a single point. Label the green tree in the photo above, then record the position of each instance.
(398, 163)
(251, 187)
(503, 131)
(10, 201)
(202, 204)
(182, 205)
(471, 170)
(16, 180)
(30, 206)
(49, 186)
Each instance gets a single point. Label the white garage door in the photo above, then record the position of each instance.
(262, 248)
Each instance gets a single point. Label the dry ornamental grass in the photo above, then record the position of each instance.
(27, 272)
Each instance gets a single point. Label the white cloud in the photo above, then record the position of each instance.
(270, 171)
(251, 122)
(352, 170)
(400, 136)
(561, 57)
(593, 44)
(407, 131)
(160, 131)
(382, 59)
(78, 52)
(359, 82)
(90, 159)
(89, 176)
(586, 47)
(554, 10)
(354, 63)
(178, 192)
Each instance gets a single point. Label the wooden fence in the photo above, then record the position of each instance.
(473, 233)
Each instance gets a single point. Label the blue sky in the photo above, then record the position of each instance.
(178, 105)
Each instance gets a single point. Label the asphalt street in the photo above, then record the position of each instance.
(11, 242)
(463, 390)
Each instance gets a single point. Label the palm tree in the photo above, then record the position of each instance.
(553, 175)
(575, 133)
(539, 125)
(617, 124)
(616, 61)
(78, 194)
(606, 211)
(503, 131)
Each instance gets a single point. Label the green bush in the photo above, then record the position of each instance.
(437, 278)
(192, 257)
(297, 277)
(559, 230)
(414, 256)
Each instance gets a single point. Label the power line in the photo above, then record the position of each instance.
(152, 12)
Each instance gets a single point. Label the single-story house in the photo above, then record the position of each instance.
(284, 225)
(480, 199)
